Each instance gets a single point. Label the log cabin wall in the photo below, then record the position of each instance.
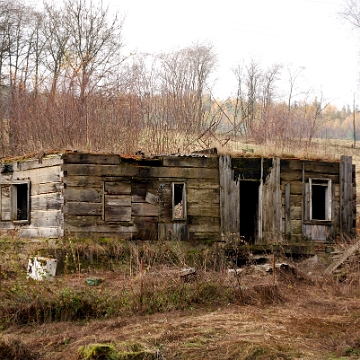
(31, 197)
(272, 224)
(200, 178)
(194, 197)
(133, 198)
(105, 195)
(291, 184)
(311, 193)
(250, 199)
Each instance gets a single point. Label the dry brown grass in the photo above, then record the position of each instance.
(311, 317)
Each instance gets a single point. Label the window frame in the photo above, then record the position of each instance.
(184, 205)
(327, 183)
(14, 202)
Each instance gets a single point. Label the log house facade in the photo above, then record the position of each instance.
(178, 197)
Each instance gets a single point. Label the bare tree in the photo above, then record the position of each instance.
(351, 13)
(183, 83)
(313, 117)
(56, 32)
(294, 75)
(96, 43)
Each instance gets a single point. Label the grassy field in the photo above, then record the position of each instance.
(148, 309)
(156, 313)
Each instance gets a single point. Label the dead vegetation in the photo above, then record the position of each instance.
(145, 309)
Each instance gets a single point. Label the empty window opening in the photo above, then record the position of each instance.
(318, 202)
(320, 205)
(249, 198)
(178, 201)
(20, 208)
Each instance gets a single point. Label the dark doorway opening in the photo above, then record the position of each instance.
(249, 199)
(318, 202)
(179, 201)
(22, 210)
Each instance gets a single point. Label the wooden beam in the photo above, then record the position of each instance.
(348, 252)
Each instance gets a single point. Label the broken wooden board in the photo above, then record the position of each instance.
(348, 252)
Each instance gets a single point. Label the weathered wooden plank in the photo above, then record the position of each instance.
(291, 165)
(5, 215)
(84, 181)
(101, 170)
(293, 176)
(8, 225)
(229, 200)
(51, 201)
(203, 196)
(296, 188)
(83, 194)
(311, 175)
(40, 175)
(110, 159)
(204, 228)
(205, 236)
(117, 200)
(77, 158)
(78, 208)
(183, 173)
(349, 252)
(117, 213)
(318, 232)
(296, 212)
(271, 200)
(51, 218)
(198, 209)
(147, 228)
(137, 198)
(346, 195)
(149, 198)
(45, 188)
(297, 176)
(287, 211)
(111, 229)
(165, 202)
(54, 160)
(175, 231)
(182, 161)
(141, 187)
(144, 209)
(77, 221)
(306, 202)
(322, 167)
(200, 184)
(203, 220)
(5, 203)
(296, 227)
(49, 232)
(295, 200)
(336, 190)
(117, 187)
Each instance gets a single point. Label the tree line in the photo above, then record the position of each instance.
(67, 83)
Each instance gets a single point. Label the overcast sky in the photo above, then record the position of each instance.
(295, 33)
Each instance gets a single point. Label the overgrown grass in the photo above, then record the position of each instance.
(70, 298)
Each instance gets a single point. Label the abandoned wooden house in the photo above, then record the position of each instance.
(193, 197)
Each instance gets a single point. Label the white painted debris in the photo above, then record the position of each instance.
(188, 274)
(41, 268)
(187, 271)
(237, 271)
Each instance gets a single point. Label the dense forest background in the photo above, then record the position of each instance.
(67, 83)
